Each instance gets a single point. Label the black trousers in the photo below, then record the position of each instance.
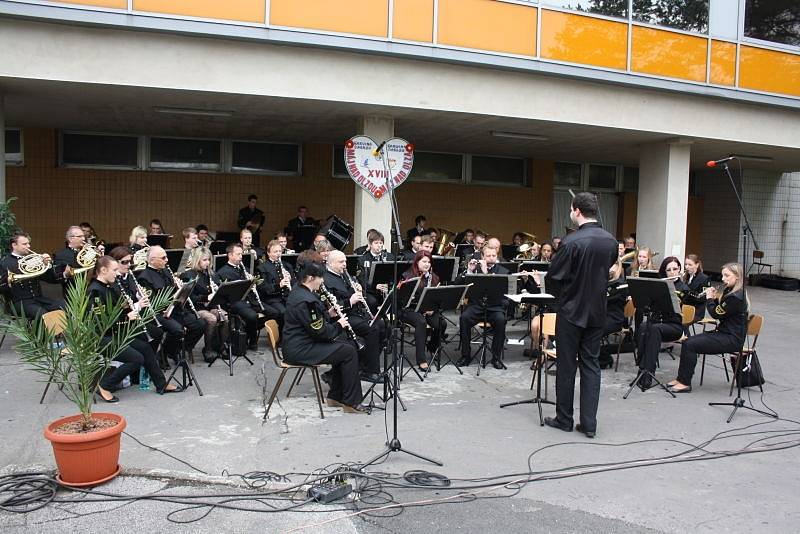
(138, 353)
(420, 322)
(577, 347)
(274, 309)
(370, 357)
(706, 343)
(181, 329)
(250, 317)
(38, 306)
(471, 316)
(650, 339)
(612, 326)
(345, 382)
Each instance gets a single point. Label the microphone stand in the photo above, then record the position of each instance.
(394, 445)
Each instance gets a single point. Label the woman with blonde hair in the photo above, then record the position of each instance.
(199, 268)
(138, 238)
(731, 310)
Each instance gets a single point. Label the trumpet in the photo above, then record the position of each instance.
(327, 295)
(32, 265)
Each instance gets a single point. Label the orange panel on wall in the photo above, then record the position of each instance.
(241, 10)
(488, 25)
(413, 20)
(723, 63)
(363, 17)
(768, 70)
(586, 40)
(115, 4)
(669, 54)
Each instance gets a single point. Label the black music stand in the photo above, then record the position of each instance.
(446, 268)
(174, 256)
(291, 260)
(219, 261)
(352, 264)
(508, 251)
(227, 294)
(651, 295)
(160, 240)
(187, 375)
(510, 266)
(383, 272)
(303, 236)
(487, 290)
(541, 300)
(463, 249)
(439, 300)
(531, 265)
(648, 273)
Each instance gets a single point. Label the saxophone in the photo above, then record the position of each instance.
(327, 295)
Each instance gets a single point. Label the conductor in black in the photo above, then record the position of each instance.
(578, 276)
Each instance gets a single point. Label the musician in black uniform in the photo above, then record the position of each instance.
(182, 328)
(138, 238)
(104, 289)
(128, 284)
(246, 239)
(578, 277)
(277, 280)
(338, 282)
(421, 268)
(206, 283)
(475, 312)
(252, 218)
(478, 241)
(26, 294)
(68, 256)
(416, 244)
(190, 243)
(309, 337)
(248, 309)
(697, 281)
(731, 310)
(419, 228)
(374, 253)
(616, 297)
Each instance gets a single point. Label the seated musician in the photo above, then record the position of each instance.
(422, 268)
(556, 241)
(190, 243)
(427, 243)
(643, 262)
(324, 247)
(434, 235)
(517, 239)
(199, 269)
(277, 280)
(246, 239)
(68, 256)
(478, 241)
(474, 312)
(351, 299)
(466, 237)
(358, 251)
(182, 329)
(251, 218)
(375, 253)
(416, 245)
(662, 327)
(310, 337)
(128, 284)
(546, 252)
(630, 244)
(283, 239)
(297, 228)
(204, 236)
(532, 284)
(616, 298)
(138, 238)
(495, 244)
(620, 248)
(697, 281)
(25, 294)
(102, 290)
(306, 257)
(731, 310)
(155, 227)
(420, 223)
(250, 310)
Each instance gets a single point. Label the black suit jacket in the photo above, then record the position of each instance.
(29, 288)
(308, 334)
(271, 275)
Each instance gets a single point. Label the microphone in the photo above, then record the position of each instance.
(714, 163)
(377, 151)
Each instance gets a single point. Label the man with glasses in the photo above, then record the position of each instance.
(183, 328)
(66, 259)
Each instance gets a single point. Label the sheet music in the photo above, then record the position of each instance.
(519, 298)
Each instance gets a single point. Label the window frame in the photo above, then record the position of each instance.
(16, 159)
(195, 167)
(471, 181)
(229, 167)
(760, 43)
(61, 163)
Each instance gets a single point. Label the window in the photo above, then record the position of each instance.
(777, 21)
(610, 8)
(567, 174)
(630, 179)
(193, 154)
(99, 150)
(435, 166)
(497, 170)
(265, 157)
(602, 177)
(688, 15)
(13, 137)
(339, 169)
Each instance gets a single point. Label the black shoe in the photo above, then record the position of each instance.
(327, 377)
(497, 364)
(589, 433)
(207, 356)
(645, 383)
(555, 423)
(464, 361)
(375, 378)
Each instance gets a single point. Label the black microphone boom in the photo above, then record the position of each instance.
(714, 163)
(380, 146)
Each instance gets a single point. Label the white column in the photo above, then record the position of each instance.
(2, 150)
(371, 213)
(663, 199)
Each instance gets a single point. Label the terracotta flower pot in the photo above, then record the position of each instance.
(87, 459)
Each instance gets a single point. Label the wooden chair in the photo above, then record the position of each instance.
(626, 332)
(548, 329)
(273, 335)
(55, 322)
(754, 324)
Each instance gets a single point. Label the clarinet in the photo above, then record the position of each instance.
(254, 289)
(132, 306)
(327, 295)
(352, 283)
(141, 291)
(214, 288)
(282, 273)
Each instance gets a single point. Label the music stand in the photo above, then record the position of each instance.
(651, 295)
(187, 375)
(488, 290)
(302, 236)
(463, 249)
(648, 273)
(439, 300)
(541, 300)
(218, 247)
(352, 263)
(160, 240)
(508, 251)
(219, 261)
(227, 294)
(446, 268)
(510, 266)
(530, 265)
(382, 272)
(249, 261)
(291, 260)
(174, 256)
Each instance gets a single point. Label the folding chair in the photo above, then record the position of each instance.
(273, 336)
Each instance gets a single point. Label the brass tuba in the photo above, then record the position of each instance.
(30, 266)
(445, 237)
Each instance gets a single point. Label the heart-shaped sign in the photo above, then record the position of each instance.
(377, 168)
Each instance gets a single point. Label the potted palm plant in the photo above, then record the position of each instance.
(85, 445)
